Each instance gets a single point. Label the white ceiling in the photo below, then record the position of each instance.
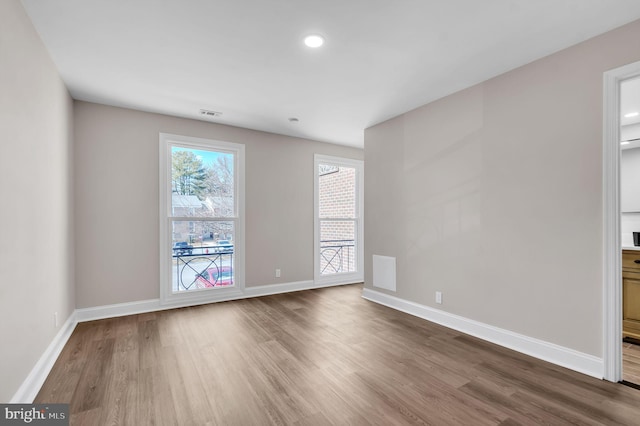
(246, 58)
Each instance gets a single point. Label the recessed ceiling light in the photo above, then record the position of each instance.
(632, 114)
(314, 40)
(624, 143)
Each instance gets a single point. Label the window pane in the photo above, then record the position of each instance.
(202, 183)
(337, 191)
(337, 246)
(203, 255)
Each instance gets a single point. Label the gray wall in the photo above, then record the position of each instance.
(493, 196)
(116, 205)
(36, 250)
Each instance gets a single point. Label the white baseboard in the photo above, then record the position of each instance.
(556, 354)
(266, 290)
(152, 305)
(119, 310)
(34, 381)
(269, 289)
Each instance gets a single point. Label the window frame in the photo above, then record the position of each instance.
(342, 277)
(194, 297)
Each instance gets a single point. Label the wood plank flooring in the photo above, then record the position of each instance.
(631, 363)
(316, 357)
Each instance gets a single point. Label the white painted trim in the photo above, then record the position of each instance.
(153, 305)
(164, 154)
(118, 310)
(30, 387)
(565, 357)
(266, 290)
(357, 276)
(612, 266)
(339, 279)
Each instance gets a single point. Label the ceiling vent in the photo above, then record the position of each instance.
(209, 113)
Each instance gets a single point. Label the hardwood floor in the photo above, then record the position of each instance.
(313, 358)
(631, 363)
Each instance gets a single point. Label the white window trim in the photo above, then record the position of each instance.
(346, 277)
(195, 297)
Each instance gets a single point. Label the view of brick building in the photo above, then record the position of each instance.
(337, 210)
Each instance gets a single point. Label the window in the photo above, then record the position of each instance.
(201, 219)
(338, 220)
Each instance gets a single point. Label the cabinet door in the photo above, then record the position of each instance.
(631, 306)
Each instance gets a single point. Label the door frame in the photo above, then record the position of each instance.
(612, 263)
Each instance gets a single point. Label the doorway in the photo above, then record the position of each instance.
(630, 223)
(612, 241)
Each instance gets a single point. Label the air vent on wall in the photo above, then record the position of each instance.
(209, 113)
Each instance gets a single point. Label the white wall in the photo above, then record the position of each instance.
(629, 132)
(36, 249)
(630, 180)
(493, 196)
(116, 207)
(630, 187)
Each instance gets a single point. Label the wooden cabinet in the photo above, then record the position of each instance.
(631, 293)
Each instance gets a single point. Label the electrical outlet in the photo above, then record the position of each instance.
(439, 297)
(277, 273)
(55, 319)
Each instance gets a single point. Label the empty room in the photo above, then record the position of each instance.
(314, 213)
